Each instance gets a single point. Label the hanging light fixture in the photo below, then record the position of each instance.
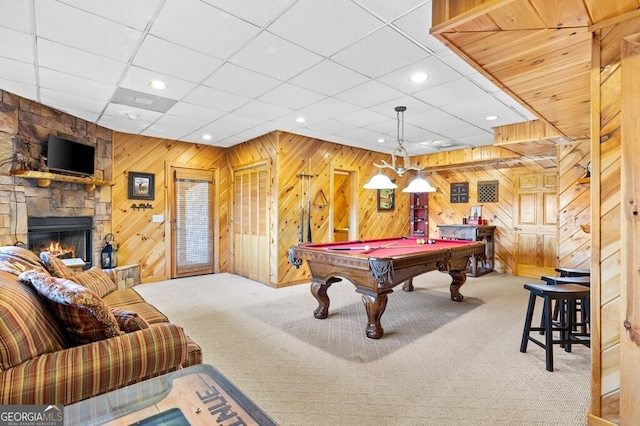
(380, 181)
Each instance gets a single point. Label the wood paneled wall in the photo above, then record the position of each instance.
(140, 240)
(608, 402)
(574, 220)
(500, 214)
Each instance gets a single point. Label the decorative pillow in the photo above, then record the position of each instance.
(85, 316)
(129, 321)
(56, 266)
(21, 258)
(96, 280)
(14, 268)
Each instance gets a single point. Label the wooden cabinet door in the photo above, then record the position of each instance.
(535, 226)
(251, 244)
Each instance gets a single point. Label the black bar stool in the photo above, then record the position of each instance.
(565, 295)
(572, 276)
(572, 272)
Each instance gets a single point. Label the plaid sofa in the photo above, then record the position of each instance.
(41, 362)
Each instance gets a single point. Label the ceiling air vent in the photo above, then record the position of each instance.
(142, 100)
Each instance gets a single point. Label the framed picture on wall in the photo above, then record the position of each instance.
(386, 199)
(141, 186)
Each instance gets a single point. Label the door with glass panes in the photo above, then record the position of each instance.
(192, 222)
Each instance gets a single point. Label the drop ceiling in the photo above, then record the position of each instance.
(235, 70)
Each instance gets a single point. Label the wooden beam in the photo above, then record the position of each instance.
(630, 234)
(469, 15)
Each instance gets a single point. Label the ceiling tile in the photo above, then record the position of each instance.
(416, 25)
(258, 12)
(27, 91)
(165, 132)
(73, 85)
(450, 92)
(16, 15)
(216, 99)
(66, 102)
(436, 71)
(240, 121)
(124, 124)
(332, 127)
(234, 79)
(390, 10)
(363, 118)
(275, 57)
(16, 45)
(331, 108)
(329, 78)
(135, 14)
(308, 21)
(120, 111)
(196, 112)
(174, 60)
(380, 53)
(138, 79)
(287, 95)
(76, 62)
(262, 110)
(20, 72)
(369, 94)
(456, 62)
(67, 25)
(201, 27)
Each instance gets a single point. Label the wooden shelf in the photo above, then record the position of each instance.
(45, 179)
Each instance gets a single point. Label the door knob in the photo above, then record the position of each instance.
(515, 228)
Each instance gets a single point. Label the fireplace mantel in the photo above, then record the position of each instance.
(45, 179)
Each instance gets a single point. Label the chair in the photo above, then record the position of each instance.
(564, 295)
(570, 272)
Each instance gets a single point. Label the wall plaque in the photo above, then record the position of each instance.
(460, 192)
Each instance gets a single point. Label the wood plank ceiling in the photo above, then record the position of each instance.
(538, 51)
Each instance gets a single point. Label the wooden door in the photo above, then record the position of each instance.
(251, 244)
(192, 222)
(340, 203)
(535, 227)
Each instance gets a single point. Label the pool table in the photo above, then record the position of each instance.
(375, 267)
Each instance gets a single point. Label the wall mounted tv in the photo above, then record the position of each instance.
(65, 156)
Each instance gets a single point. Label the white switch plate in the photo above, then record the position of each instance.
(157, 218)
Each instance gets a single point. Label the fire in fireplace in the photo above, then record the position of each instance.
(65, 237)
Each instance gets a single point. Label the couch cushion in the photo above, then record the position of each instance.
(19, 256)
(56, 266)
(124, 297)
(147, 311)
(96, 280)
(86, 317)
(129, 321)
(28, 328)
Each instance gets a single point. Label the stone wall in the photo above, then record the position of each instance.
(24, 122)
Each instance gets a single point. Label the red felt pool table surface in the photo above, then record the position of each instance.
(376, 266)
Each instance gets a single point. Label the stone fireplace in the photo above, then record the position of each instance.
(64, 237)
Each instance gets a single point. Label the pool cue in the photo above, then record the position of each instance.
(309, 203)
(301, 209)
(379, 247)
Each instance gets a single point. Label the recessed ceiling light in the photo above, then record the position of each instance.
(425, 143)
(438, 142)
(382, 140)
(419, 77)
(301, 120)
(132, 116)
(157, 84)
(491, 117)
(206, 137)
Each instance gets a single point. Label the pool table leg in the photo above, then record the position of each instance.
(375, 306)
(459, 277)
(319, 291)
(408, 285)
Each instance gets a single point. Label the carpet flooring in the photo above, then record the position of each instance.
(438, 363)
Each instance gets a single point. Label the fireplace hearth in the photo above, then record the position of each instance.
(65, 237)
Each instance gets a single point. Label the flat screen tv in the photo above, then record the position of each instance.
(65, 156)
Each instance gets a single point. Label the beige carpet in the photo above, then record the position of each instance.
(438, 363)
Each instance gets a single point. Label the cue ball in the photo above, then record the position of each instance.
(367, 247)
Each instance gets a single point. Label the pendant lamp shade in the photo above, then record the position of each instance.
(419, 184)
(380, 181)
